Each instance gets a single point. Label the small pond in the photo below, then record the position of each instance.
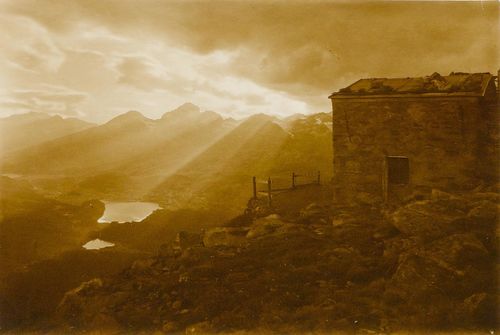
(97, 244)
(127, 211)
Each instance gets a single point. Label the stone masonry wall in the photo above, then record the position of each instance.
(440, 136)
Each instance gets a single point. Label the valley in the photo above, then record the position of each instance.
(56, 231)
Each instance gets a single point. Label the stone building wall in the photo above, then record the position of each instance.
(446, 140)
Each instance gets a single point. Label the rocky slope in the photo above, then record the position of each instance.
(299, 267)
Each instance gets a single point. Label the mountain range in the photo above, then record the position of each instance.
(186, 158)
(24, 130)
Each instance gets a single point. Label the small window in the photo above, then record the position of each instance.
(398, 170)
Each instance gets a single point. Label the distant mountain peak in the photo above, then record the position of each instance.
(189, 112)
(26, 117)
(129, 116)
(187, 109)
(134, 114)
(261, 117)
(34, 128)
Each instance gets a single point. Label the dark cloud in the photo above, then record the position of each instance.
(304, 48)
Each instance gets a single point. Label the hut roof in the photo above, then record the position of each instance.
(456, 83)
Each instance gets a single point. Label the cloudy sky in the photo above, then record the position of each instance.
(95, 59)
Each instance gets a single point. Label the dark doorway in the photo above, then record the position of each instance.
(398, 170)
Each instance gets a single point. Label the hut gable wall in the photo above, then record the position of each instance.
(440, 136)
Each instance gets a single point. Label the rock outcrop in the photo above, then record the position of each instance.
(428, 265)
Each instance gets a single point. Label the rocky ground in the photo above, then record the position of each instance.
(428, 265)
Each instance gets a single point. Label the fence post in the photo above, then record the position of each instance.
(254, 181)
(319, 177)
(293, 179)
(269, 188)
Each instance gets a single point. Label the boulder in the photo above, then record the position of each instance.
(473, 303)
(225, 236)
(264, 226)
(418, 277)
(444, 267)
(87, 287)
(457, 250)
(448, 201)
(441, 195)
(313, 213)
(484, 212)
(480, 308)
(74, 309)
(491, 196)
(342, 218)
(426, 220)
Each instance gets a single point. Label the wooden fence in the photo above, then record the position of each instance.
(295, 181)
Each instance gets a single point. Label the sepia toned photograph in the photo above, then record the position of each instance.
(249, 167)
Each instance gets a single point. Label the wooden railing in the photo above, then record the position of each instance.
(297, 180)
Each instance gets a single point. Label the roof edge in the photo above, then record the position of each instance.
(406, 95)
(426, 94)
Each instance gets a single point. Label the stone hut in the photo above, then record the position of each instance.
(394, 137)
